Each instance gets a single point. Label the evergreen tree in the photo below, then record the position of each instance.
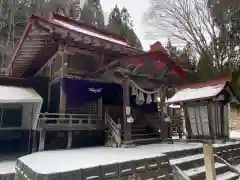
(92, 13)
(120, 23)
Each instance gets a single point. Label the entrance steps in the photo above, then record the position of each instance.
(143, 135)
(192, 166)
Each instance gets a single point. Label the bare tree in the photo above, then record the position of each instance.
(191, 22)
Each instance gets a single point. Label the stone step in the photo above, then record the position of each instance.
(188, 162)
(228, 176)
(143, 135)
(143, 141)
(183, 153)
(199, 172)
(186, 159)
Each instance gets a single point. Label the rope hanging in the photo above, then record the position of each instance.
(139, 93)
(133, 84)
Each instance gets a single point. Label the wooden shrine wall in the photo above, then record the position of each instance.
(81, 62)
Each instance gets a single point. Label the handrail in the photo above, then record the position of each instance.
(114, 128)
(64, 114)
(46, 120)
(228, 164)
(180, 172)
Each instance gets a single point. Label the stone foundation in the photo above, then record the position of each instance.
(9, 176)
(152, 168)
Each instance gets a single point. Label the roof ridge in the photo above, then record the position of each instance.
(212, 82)
(93, 28)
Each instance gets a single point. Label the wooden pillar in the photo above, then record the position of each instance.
(126, 105)
(64, 60)
(100, 107)
(165, 125)
(69, 145)
(49, 85)
(34, 142)
(209, 161)
(42, 140)
(70, 134)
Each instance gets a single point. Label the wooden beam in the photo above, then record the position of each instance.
(28, 50)
(165, 81)
(126, 109)
(64, 59)
(33, 46)
(75, 50)
(46, 64)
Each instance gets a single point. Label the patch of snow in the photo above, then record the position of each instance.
(201, 169)
(196, 93)
(225, 144)
(177, 146)
(67, 160)
(226, 175)
(235, 134)
(186, 159)
(7, 167)
(90, 33)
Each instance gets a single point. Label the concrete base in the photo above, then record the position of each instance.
(9, 176)
(148, 168)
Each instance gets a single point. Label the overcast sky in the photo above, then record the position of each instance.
(136, 9)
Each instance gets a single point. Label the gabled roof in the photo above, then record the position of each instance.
(41, 38)
(155, 66)
(87, 29)
(200, 91)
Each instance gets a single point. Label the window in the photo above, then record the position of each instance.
(10, 115)
(198, 117)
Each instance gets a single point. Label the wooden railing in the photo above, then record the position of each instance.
(115, 129)
(179, 174)
(56, 121)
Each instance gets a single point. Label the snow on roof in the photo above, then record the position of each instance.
(11, 94)
(194, 93)
(88, 32)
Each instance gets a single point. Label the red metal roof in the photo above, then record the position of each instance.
(158, 56)
(214, 82)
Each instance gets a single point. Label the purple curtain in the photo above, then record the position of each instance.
(79, 92)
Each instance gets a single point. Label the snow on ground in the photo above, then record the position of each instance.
(235, 134)
(67, 160)
(7, 167)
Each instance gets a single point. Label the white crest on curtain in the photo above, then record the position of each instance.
(95, 90)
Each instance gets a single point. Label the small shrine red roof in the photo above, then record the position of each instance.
(203, 90)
